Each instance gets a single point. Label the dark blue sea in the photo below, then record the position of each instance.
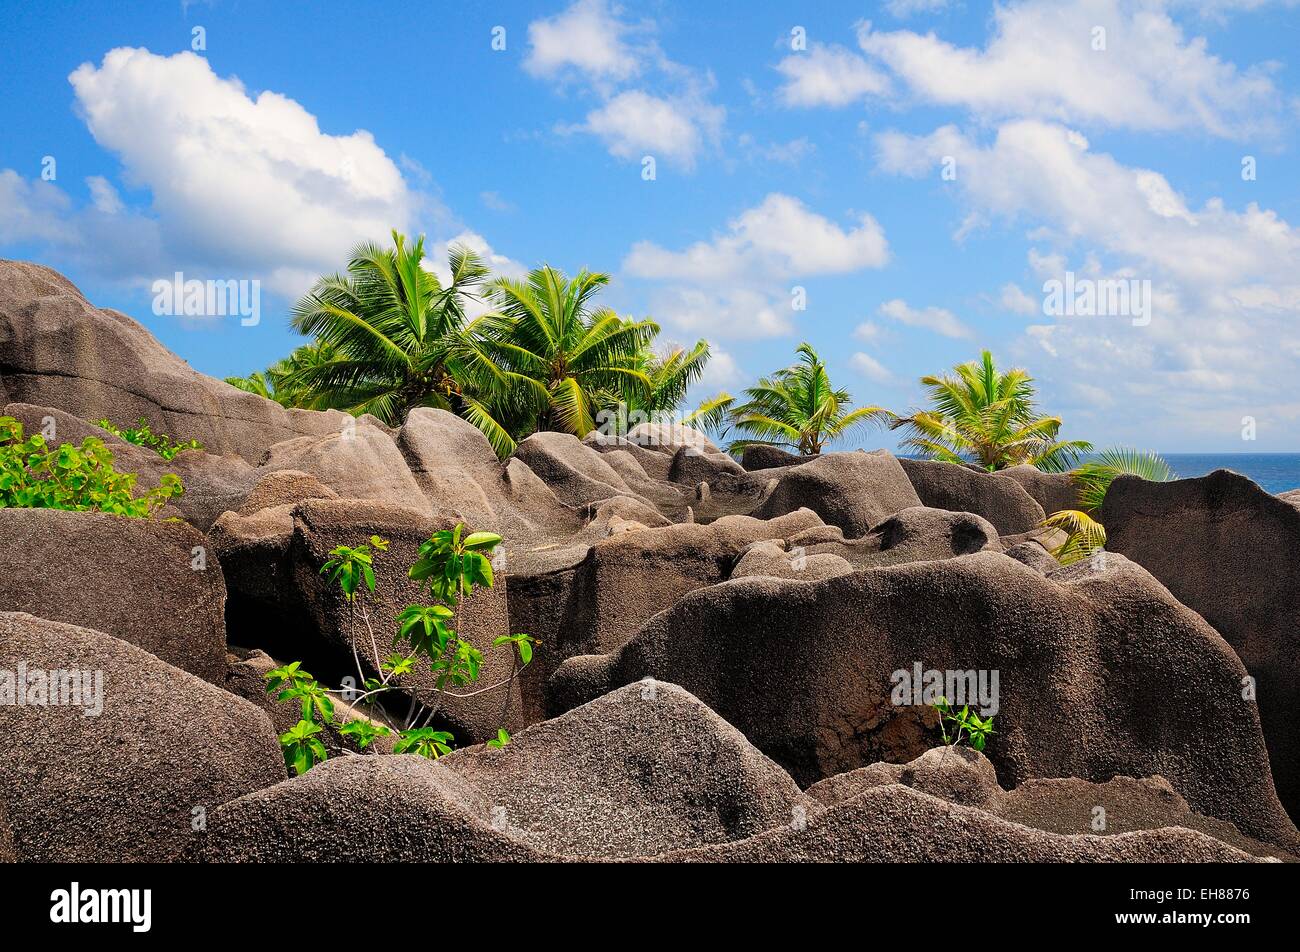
(1275, 472)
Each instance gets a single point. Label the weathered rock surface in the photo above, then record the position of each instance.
(360, 461)
(122, 785)
(1067, 806)
(769, 457)
(895, 824)
(854, 491)
(149, 582)
(57, 349)
(1227, 549)
(649, 772)
(1053, 491)
(997, 498)
(804, 670)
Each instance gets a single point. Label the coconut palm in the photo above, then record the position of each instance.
(396, 337)
(1084, 534)
(797, 408)
(553, 360)
(278, 382)
(670, 374)
(982, 415)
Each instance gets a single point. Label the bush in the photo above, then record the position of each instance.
(142, 435)
(76, 478)
(452, 563)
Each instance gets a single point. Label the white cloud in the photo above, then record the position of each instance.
(240, 185)
(1225, 297)
(587, 37)
(103, 195)
(1041, 62)
(734, 312)
(828, 76)
(666, 114)
(720, 373)
(781, 237)
(1046, 173)
(32, 210)
(871, 368)
(634, 123)
(869, 331)
(786, 153)
(937, 319)
(238, 182)
(495, 202)
(735, 285)
(1016, 300)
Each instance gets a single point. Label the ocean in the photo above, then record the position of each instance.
(1275, 472)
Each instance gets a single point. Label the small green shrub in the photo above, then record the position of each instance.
(967, 722)
(452, 564)
(142, 435)
(34, 475)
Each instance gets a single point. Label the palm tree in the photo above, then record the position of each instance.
(670, 374)
(395, 337)
(1084, 535)
(279, 381)
(552, 361)
(985, 416)
(797, 408)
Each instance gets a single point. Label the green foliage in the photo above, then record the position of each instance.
(283, 381)
(363, 732)
(982, 415)
(452, 566)
(1094, 477)
(424, 741)
(452, 563)
(34, 475)
(1084, 534)
(549, 360)
(301, 747)
(142, 435)
(501, 740)
(351, 566)
(964, 722)
(391, 337)
(796, 408)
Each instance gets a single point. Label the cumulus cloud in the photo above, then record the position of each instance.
(634, 123)
(240, 185)
(937, 319)
(733, 285)
(780, 237)
(871, 368)
(1224, 298)
(1102, 63)
(1016, 300)
(246, 182)
(826, 75)
(588, 38)
(649, 104)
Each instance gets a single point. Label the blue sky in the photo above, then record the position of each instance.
(802, 149)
